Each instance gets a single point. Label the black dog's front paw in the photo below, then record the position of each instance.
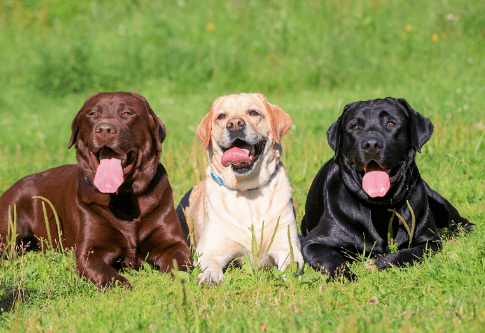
(387, 261)
(337, 273)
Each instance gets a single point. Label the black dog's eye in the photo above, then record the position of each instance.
(390, 124)
(221, 116)
(354, 127)
(253, 113)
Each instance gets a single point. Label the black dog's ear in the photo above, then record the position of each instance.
(333, 135)
(420, 127)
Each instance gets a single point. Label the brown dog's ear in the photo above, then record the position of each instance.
(158, 127)
(75, 122)
(280, 120)
(74, 129)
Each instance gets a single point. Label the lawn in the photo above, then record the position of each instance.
(310, 58)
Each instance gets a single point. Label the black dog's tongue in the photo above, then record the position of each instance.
(376, 183)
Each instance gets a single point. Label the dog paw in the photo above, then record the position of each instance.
(115, 281)
(210, 277)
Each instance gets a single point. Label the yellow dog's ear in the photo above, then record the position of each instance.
(204, 130)
(280, 120)
(205, 127)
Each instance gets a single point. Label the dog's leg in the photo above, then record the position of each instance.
(95, 264)
(404, 256)
(280, 249)
(326, 260)
(215, 255)
(444, 213)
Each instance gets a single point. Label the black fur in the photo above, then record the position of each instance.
(341, 221)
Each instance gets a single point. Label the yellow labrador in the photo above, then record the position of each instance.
(246, 185)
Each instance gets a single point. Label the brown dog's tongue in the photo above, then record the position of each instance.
(236, 156)
(376, 183)
(109, 175)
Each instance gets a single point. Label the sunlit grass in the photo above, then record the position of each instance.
(310, 58)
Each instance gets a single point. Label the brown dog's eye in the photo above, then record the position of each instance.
(253, 113)
(390, 124)
(126, 113)
(92, 113)
(354, 128)
(221, 116)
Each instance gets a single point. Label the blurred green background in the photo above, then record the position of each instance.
(56, 48)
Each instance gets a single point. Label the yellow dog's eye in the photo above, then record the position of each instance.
(221, 116)
(253, 113)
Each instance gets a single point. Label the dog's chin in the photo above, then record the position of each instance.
(243, 165)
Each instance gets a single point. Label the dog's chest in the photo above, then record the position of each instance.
(243, 209)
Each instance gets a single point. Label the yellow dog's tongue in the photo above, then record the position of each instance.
(236, 156)
(109, 175)
(376, 183)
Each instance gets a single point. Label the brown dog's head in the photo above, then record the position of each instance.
(118, 140)
(242, 134)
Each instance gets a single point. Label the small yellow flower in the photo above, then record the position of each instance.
(435, 37)
(408, 27)
(210, 26)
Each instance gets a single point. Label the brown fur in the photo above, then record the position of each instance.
(137, 221)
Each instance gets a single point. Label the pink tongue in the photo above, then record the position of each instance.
(376, 183)
(235, 156)
(109, 175)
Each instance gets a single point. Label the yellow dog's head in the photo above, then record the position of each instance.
(242, 134)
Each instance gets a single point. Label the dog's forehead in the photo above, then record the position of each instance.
(375, 109)
(113, 100)
(240, 103)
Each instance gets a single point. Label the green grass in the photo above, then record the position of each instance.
(310, 58)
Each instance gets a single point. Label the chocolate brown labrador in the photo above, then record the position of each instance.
(115, 205)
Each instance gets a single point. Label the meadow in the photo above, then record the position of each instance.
(311, 58)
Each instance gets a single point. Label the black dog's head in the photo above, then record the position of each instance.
(375, 143)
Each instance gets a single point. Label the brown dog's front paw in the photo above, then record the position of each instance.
(115, 281)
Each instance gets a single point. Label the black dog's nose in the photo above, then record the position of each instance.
(106, 128)
(235, 124)
(371, 143)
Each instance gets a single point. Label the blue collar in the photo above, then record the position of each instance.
(219, 180)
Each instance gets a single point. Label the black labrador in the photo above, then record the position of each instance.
(360, 198)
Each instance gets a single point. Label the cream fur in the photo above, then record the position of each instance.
(221, 216)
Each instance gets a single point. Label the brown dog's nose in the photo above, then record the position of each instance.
(235, 124)
(372, 143)
(105, 128)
